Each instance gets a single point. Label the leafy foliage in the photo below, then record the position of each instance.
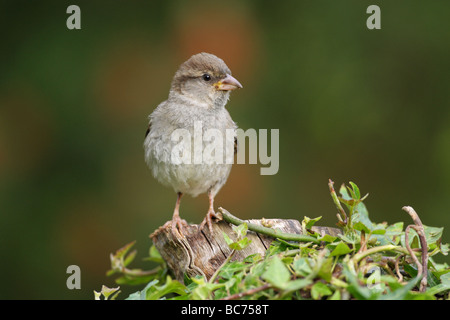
(106, 293)
(367, 261)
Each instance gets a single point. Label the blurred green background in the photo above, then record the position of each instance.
(352, 104)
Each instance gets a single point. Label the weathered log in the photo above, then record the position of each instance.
(201, 253)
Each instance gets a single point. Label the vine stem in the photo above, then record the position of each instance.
(389, 247)
(228, 217)
(342, 216)
(214, 276)
(248, 292)
(422, 269)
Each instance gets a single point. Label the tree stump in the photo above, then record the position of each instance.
(201, 253)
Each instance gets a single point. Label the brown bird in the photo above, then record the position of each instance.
(195, 108)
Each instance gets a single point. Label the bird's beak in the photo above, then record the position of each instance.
(227, 83)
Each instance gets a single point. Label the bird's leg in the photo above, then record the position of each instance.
(210, 214)
(176, 220)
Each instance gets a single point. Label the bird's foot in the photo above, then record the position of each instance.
(207, 220)
(178, 226)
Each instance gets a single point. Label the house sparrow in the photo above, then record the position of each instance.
(199, 92)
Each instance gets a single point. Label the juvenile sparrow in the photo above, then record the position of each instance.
(199, 92)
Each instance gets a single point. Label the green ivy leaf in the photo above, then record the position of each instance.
(401, 292)
(241, 244)
(442, 287)
(154, 292)
(297, 284)
(107, 293)
(361, 227)
(253, 258)
(203, 289)
(242, 241)
(231, 268)
(142, 295)
(327, 238)
(344, 193)
(227, 239)
(277, 273)
(355, 289)
(171, 286)
(309, 222)
(241, 230)
(355, 191)
(319, 290)
(325, 271)
(129, 258)
(341, 249)
(301, 267)
(236, 245)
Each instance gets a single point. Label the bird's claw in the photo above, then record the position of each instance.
(178, 225)
(207, 220)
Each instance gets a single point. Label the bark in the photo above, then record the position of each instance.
(201, 253)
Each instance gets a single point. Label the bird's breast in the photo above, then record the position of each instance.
(191, 158)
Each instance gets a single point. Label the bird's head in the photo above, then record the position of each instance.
(205, 78)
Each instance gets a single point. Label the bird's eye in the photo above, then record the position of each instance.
(206, 77)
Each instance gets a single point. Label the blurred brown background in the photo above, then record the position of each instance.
(351, 104)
